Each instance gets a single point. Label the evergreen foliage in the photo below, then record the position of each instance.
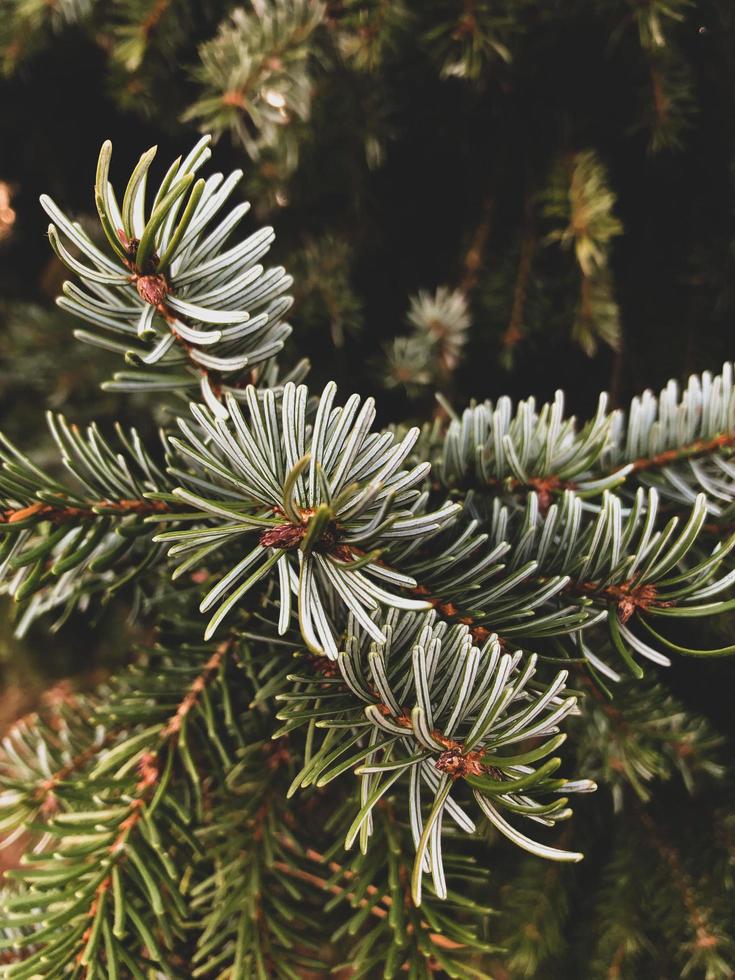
(191, 813)
(375, 649)
(265, 74)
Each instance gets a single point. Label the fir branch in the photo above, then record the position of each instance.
(129, 769)
(433, 351)
(696, 450)
(679, 443)
(172, 729)
(534, 914)
(255, 76)
(60, 543)
(312, 494)
(252, 913)
(471, 38)
(165, 822)
(366, 31)
(63, 515)
(579, 206)
(442, 936)
(528, 576)
(474, 256)
(26, 26)
(513, 333)
(708, 949)
(619, 949)
(443, 724)
(181, 307)
(324, 273)
(643, 736)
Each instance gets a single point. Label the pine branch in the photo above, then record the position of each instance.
(442, 726)
(112, 823)
(678, 443)
(255, 76)
(325, 501)
(186, 307)
(60, 543)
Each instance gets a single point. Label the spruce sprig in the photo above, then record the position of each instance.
(326, 499)
(182, 303)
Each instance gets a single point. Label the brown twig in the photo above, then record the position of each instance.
(628, 596)
(153, 19)
(695, 450)
(149, 772)
(514, 331)
(545, 486)
(377, 908)
(60, 515)
(173, 726)
(475, 253)
(45, 791)
(153, 287)
(703, 936)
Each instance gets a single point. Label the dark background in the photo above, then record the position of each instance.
(410, 221)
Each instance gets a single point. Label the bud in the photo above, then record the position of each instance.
(151, 289)
(458, 764)
(286, 536)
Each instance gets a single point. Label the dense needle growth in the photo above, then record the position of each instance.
(357, 606)
(362, 638)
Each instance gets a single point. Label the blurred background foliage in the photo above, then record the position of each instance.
(566, 166)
